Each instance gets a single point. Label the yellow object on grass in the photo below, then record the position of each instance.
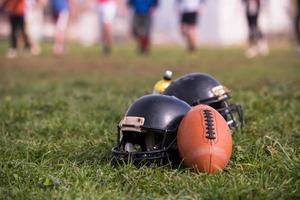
(161, 85)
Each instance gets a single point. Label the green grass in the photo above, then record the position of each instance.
(58, 120)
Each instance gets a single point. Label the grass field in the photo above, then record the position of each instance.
(58, 120)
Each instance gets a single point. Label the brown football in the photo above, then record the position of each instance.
(204, 140)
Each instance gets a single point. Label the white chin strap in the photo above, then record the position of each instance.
(129, 147)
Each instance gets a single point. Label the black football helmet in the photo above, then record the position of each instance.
(200, 88)
(147, 133)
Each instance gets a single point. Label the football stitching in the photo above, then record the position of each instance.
(209, 124)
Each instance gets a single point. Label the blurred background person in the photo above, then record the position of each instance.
(34, 21)
(16, 12)
(107, 11)
(189, 11)
(297, 25)
(61, 13)
(257, 43)
(142, 22)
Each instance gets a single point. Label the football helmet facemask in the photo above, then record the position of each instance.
(200, 88)
(147, 133)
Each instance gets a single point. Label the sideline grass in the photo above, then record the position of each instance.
(58, 121)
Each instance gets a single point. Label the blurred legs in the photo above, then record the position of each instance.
(17, 24)
(24, 34)
(107, 12)
(60, 29)
(141, 27)
(257, 42)
(107, 37)
(297, 26)
(13, 33)
(190, 34)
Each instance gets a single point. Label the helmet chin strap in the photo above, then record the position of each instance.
(230, 122)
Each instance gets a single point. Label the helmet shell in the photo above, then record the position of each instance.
(160, 112)
(194, 88)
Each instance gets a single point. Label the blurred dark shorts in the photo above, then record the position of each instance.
(55, 17)
(56, 14)
(141, 25)
(189, 18)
